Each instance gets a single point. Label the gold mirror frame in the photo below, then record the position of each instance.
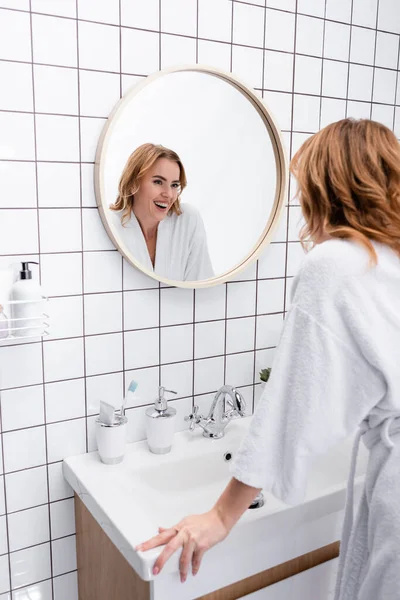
(280, 163)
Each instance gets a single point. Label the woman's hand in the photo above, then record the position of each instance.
(198, 533)
(195, 534)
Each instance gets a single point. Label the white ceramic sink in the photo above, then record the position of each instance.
(132, 499)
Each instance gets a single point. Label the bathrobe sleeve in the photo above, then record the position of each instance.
(198, 265)
(320, 389)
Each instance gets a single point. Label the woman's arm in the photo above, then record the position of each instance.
(198, 533)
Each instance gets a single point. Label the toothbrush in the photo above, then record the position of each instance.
(131, 390)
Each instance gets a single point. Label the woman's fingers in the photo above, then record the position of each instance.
(196, 560)
(158, 540)
(186, 558)
(168, 551)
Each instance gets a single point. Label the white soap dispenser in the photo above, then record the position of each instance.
(160, 424)
(27, 304)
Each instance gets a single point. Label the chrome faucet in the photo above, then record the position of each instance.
(228, 403)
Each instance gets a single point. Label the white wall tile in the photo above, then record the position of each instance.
(22, 407)
(173, 47)
(179, 16)
(57, 138)
(240, 369)
(66, 587)
(272, 262)
(103, 353)
(141, 309)
(23, 195)
(389, 17)
(334, 78)
(16, 4)
(387, 49)
(147, 387)
(269, 329)
(94, 234)
(337, 41)
(280, 104)
(91, 129)
(88, 193)
(60, 230)
(61, 274)
(65, 400)
(66, 439)
(11, 359)
(144, 15)
(176, 343)
(65, 317)
(358, 110)
(176, 306)
(362, 49)
(17, 139)
(30, 565)
(295, 258)
(15, 36)
(64, 555)
(308, 75)
(2, 496)
(306, 113)
(62, 518)
(4, 575)
(103, 313)
(210, 303)
(339, 10)
(105, 11)
(219, 27)
(309, 35)
(17, 94)
(360, 82)
(209, 339)
(63, 8)
(98, 47)
(241, 299)
(18, 231)
(247, 63)
(109, 388)
(3, 535)
(26, 489)
(384, 114)
(42, 590)
(384, 86)
(270, 296)
(240, 334)
(141, 348)
(28, 527)
(311, 7)
(208, 375)
(248, 24)
(296, 222)
(61, 177)
(332, 110)
(279, 31)
(24, 449)
(54, 41)
(103, 271)
(140, 51)
(63, 359)
(282, 4)
(215, 54)
(177, 377)
(59, 488)
(98, 92)
(278, 71)
(56, 90)
(364, 12)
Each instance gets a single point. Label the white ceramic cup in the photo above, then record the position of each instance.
(111, 440)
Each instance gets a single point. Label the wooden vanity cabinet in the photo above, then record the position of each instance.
(104, 574)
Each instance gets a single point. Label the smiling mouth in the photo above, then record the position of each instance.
(161, 205)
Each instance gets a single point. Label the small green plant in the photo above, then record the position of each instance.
(265, 373)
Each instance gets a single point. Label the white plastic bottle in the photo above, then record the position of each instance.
(27, 304)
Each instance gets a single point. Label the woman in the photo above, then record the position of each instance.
(337, 365)
(161, 234)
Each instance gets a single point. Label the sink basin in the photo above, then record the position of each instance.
(132, 499)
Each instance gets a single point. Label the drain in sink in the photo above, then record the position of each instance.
(228, 456)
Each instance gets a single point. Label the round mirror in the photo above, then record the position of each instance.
(190, 176)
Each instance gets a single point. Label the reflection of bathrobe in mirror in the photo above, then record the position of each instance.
(338, 366)
(181, 251)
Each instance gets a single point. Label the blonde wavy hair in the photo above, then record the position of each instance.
(137, 165)
(349, 184)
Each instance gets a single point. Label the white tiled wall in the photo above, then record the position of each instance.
(63, 65)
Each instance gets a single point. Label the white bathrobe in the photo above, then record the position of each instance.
(337, 367)
(181, 250)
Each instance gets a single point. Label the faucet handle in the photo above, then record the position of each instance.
(193, 418)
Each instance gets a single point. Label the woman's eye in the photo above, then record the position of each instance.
(157, 181)
(176, 185)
